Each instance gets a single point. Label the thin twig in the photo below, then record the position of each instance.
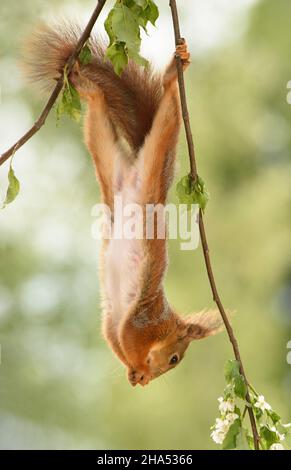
(193, 167)
(59, 85)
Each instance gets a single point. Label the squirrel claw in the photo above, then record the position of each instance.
(182, 52)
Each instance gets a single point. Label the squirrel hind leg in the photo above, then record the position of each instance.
(123, 169)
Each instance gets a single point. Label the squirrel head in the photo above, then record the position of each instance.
(169, 352)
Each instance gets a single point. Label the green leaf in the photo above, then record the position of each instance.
(125, 26)
(142, 21)
(270, 437)
(108, 27)
(85, 56)
(233, 375)
(141, 16)
(231, 370)
(274, 416)
(190, 192)
(13, 187)
(240, 387)
(231, 436)
(202, 193)
(152, 12)
(70, 103)
(118, 56)
(237, 411)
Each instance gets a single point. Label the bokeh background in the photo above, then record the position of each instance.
(60, 386)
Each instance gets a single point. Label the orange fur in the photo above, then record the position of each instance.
(146, 334)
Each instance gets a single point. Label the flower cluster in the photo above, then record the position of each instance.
(229, 429)
(227, 418)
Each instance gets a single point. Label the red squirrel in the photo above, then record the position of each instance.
(143, 109)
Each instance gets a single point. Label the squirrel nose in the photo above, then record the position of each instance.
(144, 380)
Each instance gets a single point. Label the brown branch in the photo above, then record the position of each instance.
(204, 243)
(58, 88)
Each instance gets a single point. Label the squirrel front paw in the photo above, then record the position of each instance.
(138, 376)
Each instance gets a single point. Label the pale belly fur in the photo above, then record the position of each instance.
(123, 261)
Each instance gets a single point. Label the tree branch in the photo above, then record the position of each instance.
(58, 87)
(193, 168)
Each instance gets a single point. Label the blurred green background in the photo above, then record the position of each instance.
(60, 386)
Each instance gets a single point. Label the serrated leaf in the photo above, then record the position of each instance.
(231, 370)
(240, 387)
(85, 55)
(231, 436)
(13, 187)
(117, 55)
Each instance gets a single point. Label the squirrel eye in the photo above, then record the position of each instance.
(174, 359)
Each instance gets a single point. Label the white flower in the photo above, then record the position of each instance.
(218, 437)
(262, 404)
(225, 406)
(277, 447)
(281, 436)
(231, 417)
(221, 425)
(220, 430)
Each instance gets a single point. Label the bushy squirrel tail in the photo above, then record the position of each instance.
(132, 98)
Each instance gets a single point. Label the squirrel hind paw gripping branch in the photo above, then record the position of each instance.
(146, 334)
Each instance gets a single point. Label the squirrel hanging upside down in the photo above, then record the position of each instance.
(143, 330)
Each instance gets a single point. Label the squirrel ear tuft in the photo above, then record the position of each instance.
(203, 324)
